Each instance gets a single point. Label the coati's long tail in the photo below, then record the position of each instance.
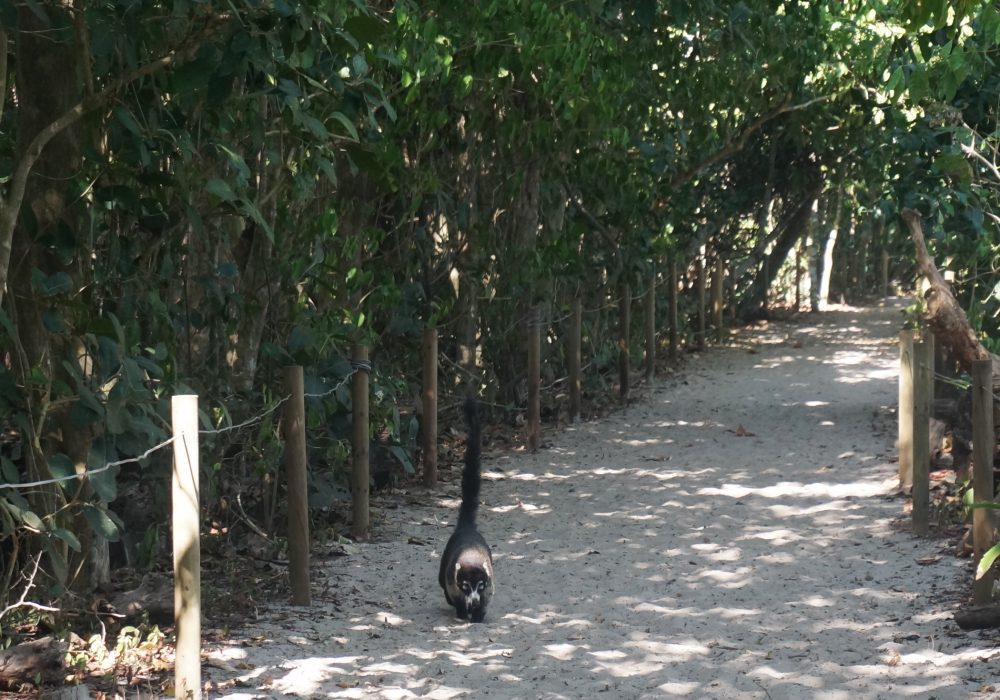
(470, 474)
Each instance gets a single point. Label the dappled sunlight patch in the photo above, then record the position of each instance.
(856, 489)
(776, 558)
(738, 578)
(641, 443)
(307, 674)
(715, 552)
(561, 652)
(779, 536)
(816, 601)
(673, 688)
(881, 595)
(839, 506)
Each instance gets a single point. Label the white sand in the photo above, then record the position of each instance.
(661, 552)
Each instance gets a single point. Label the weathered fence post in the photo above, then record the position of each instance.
(429, 406)
(575, 342)
(718, 293)
(294, 419)
(699, 263)
(187, 547)
(360, 437)
(905, 410)
(649, 309)
(885, 273)
(922, 377)
(624, 323)
(672, 301)
(983, 440)
(534, 419)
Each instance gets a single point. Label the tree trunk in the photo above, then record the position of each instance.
(48, 84)
(792, 227)
(944, 315)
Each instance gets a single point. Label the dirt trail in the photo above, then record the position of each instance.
(729, 537)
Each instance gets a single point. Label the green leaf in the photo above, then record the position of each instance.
(127, 120)
(101, 523)
(367, 29)
(61, 467)
(105, 482)
(8, 471)
(347, 124)
(60, 570)
(989, 556)
(220, 189)
(67, 537)
(251, 210)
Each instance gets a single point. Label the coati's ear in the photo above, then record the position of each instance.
(458, 567)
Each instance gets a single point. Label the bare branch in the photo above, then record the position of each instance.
(23, 601)
(990, 165)
(736, 145)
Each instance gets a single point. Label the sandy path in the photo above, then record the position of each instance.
(662, 552)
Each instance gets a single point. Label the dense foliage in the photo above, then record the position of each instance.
(196, 194)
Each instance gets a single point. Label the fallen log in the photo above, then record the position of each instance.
(34, 661)
(978, 618)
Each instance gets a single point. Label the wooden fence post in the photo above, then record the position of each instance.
(429, 406)
(718, 293)
(624, 323)
(699, 262)
(294, 419)
(885, 273)
(575, 343)
(649, 309)
(672, 301)
(534, 336)
(905, 409)
(983, 440)
(187, 547)
(922, 362)
(360, 437)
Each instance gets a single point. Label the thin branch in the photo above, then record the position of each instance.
(733, 147)
(23, 601)
(990, 165)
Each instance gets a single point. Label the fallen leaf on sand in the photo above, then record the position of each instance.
(741, 431)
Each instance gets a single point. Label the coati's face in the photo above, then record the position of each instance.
(476, 589)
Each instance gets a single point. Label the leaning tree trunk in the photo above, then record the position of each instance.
(792, 227)
(944, 315)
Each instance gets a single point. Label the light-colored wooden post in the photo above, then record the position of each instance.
(702, 320)
(187, 547)
(360, 437)
(624, 324)
(718, 275)
(649, 309)
(922, 360)
(294, 418)
(885, 272)
(534, 341)
(905, 409)
(674, 316)
(575, 360)
(429, 406)
(983, 446)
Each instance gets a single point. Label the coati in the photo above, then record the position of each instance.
(466, 573)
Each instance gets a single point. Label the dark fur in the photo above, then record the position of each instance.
(466, 573)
